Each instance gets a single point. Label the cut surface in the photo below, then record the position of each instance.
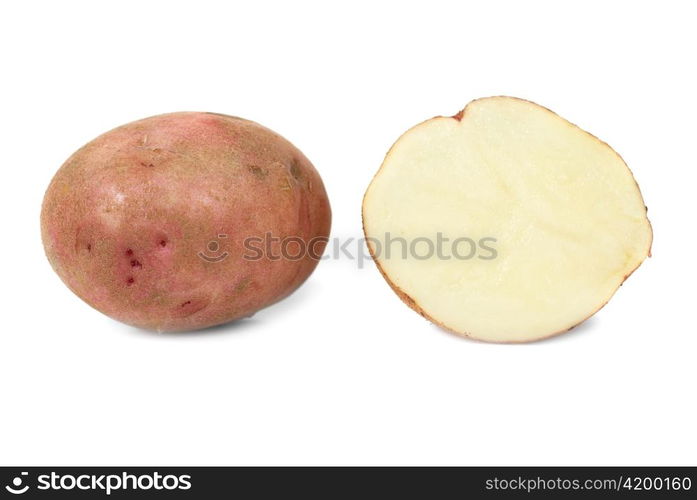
(505, 223)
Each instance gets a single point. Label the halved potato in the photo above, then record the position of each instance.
(505, 222)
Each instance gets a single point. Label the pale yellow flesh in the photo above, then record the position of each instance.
(567, 215)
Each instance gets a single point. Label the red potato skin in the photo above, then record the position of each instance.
(128, 219)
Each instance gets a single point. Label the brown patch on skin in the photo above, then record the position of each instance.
(295, 170)
(242, 285)
(129, 252)
(258, 172)
(408, 300)
(82, 241)
(130, 281)
(190, 307)
(157, 154)
(285, 184)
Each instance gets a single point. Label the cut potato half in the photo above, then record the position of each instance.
(505, 222)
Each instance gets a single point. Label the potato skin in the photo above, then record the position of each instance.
(133, 222)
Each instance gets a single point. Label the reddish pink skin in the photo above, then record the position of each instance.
(126, 216)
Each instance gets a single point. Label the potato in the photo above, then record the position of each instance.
(185, 220)
(520, 225)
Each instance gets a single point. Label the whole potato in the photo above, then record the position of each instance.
(185, 220)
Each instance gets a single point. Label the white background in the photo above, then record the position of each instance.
(342, 372)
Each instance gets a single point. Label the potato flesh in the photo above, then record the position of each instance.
(568, 218)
